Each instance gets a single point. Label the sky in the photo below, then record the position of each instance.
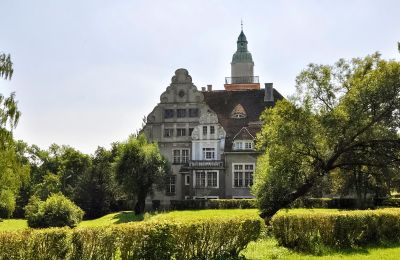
(87, 72)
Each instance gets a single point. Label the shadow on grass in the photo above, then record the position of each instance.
(127, 216)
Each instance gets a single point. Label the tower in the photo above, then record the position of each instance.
(242, 68)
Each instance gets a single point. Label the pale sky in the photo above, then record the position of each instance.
(86, 72)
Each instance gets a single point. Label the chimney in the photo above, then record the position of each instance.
(203, 89)
(209, 87)
(269, 93)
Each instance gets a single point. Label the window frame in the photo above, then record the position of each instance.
(181, 113)
(180, 132)
(209, 150)
(170, 130)
(180, 155)
(243, 175)
(170, 189)
(168, 113)
(204, 179)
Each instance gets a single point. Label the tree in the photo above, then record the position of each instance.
(98, 192)
(140, 166)
(13, 173)
(342, 116)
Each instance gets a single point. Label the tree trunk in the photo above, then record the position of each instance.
(301, 191)
(140, 204)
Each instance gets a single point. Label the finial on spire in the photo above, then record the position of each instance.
(241, 23)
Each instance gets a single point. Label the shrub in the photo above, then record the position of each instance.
(307, 230)
(56, 211)
(391, 202)
(232, 203)
(7, 203)
(205, 239)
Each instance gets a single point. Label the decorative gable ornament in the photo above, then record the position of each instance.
(238, 112)
(208, 118)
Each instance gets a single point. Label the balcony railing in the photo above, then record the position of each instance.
(242, 80)
(205, 164)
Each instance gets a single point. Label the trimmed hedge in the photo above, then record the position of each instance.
(213, 204)
(232, 203)
(308, 230)
(205, 239)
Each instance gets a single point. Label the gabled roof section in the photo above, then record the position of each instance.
(223, 102)
(243, 134)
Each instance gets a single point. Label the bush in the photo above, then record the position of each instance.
(7, 203)
(56, 211)
(232, 203)
(307, 230)
(391, 202)
(205, 239)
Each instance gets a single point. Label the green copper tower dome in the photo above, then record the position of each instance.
(242, 55)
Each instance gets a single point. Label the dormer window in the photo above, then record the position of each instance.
(243, 145)
(238, 112)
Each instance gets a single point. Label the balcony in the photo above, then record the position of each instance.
(242, 80)
(205, 164)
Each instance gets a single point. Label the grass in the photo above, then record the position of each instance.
(13, 224)
(268, 248)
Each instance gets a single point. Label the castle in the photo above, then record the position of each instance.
(208, 135)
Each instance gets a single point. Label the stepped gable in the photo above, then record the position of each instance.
(223, 102)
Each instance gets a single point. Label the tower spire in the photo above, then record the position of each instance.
(241, 23)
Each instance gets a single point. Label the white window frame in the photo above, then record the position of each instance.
(210, 151)
(206, 173)
(242, 173)
(180, 158)
(243, 145)
(171, 185)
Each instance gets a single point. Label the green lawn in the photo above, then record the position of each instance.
(268, 249)
(13, 224)
(265, 248)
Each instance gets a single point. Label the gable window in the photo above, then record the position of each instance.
(181, 132)
(238, 112)
(171, 187)
(205, 179)
(243, 175)
(181, 113)
(180, 156)
(168, 132)
(243, 145)
(208, 153)
(212, 129)
(168, 113)
(193, 112)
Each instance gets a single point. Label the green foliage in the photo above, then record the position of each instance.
(7, 203)
(391, 202)
(56, 211)
(6, 68)
(232, 203)
(140, 166)
(342, 117)
(201, 239)
(51, 184)
(310, 231)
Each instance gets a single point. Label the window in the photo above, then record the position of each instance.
(200, 179)
(206, 179)
(191, 131)
(168, 113)
(212, 129)
(181, 132)
(212, 179)
(193, 112)
(181, 113)
(185, 155)
(243, 175)
(168, 132)
(187, 179)
(180, 156)
(204, 130)
(243, 145)
(248, 145)
(208, 153)
(170, 189)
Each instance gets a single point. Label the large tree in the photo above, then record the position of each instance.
(342, 116)
(139, 167)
